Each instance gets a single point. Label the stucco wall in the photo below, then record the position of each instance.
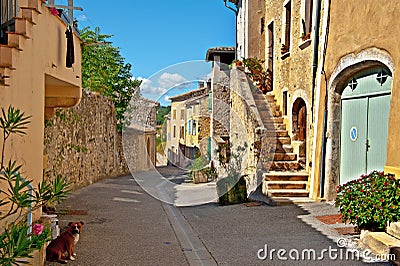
(82, 143)
(40, 52)
(361, 34)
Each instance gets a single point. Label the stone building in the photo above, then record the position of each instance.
(139, 137)
(285, 30)
(184, 124)
(221, 58)
(332, 67)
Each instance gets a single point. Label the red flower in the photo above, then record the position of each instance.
(37, 229)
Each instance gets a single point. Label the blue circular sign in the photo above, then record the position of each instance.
(353, 134)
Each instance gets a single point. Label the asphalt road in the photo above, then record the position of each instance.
(123, 226)
(126, 226)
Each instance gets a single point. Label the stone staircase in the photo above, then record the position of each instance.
(286, 178)
(17, 37)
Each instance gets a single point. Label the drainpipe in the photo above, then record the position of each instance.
(315, 58)
(325, 122)
(236, 11)
(29, 218)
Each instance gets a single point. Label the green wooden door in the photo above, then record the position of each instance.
(364, 123)
(353, 136)
(378, 117)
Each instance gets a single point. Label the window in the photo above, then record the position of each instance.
(183, 114)
(285, 102)
(189, 129)
(287, 27)
(174, 132)
(194, 132)
(270, 55)
(174, 114)
(306, 20)
(182, 132)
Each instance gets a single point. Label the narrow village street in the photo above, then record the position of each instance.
(126, 226)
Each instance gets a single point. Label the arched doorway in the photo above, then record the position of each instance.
(299, 120)
(299, 126)
(365, 106)
(347, 67)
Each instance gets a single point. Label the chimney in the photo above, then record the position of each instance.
(201, 84)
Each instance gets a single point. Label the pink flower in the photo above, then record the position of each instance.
(54, 11)
(37, 229)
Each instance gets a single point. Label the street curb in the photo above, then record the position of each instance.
(195, 251)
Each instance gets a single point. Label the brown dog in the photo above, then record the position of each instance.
(64, 243)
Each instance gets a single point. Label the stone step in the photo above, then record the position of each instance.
(276, 126)
(31, 14)
(287, 193)
(283, 148)
(5, 75)
(286, 176)
(16, 40)
(271, 185)
(283, 201)
(272, 119)
(394, 229)
(6, 55)
(23, 26)
(285, 157)
(34, 4)
(285, 166)
(283, 141)
(378, 242)
(276, 133)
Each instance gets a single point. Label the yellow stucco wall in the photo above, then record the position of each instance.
(39, 63)
(362, 30)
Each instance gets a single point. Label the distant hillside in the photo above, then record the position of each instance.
(161, 112)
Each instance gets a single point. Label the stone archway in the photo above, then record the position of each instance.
(347, 67)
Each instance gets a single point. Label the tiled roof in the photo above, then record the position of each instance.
(219, 50)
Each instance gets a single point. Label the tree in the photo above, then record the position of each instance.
(104, 71)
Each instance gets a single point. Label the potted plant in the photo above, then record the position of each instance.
(305, 36)
(284, 48)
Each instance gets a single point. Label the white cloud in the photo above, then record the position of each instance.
(168, 80)
(147, 87)
(167, 98)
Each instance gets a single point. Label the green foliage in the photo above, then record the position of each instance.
(162, 111)
(15, 243)
(370, 202)
(17, 195)
(104, 71)
(257, 73)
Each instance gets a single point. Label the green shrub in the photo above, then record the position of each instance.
(370, 202)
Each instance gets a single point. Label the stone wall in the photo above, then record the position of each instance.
(82, 143)
(292, 71)
(247, 130)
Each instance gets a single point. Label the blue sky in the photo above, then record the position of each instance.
(153, 35)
